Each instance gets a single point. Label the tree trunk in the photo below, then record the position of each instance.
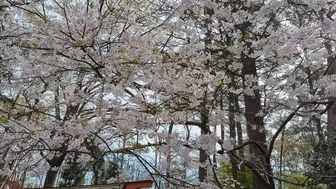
(281, 157)
(202, 171)
(232, 125)
(255, 129)
(54, 163)
(239, 129)
(331, 126)
(168, 155)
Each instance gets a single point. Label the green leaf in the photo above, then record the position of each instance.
(121, 51)
(156, 50)
(34, 63)
(246, 36)
(3, 121)
(85, 124)
(35, 45)
(136, 61)
(158, 110)
(165, 58)
(27, 43)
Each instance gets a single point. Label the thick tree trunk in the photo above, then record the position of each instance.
(50, 179)
(232, 125)
(331, 126)
(55, 162)
(203, 156)
(331, 130)
(255, 129)
(239, 128)
(202, 170)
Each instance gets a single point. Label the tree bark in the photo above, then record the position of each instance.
(202, 170)
(168, 155)
(256, 129)
(232, 125)
(239, 129)
(331, 125)
(55, 162)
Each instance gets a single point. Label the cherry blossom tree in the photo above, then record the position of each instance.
(77, 77)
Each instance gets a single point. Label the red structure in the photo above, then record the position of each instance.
(12, 184)
(138, 184)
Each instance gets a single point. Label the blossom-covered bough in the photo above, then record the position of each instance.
(136, 78)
